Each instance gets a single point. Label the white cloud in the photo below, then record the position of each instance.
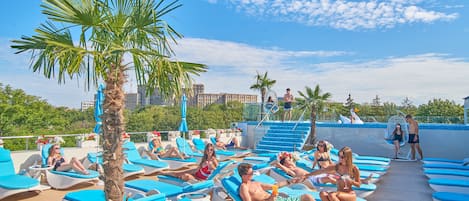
(419, 77)
(234, 65)
(343, 14)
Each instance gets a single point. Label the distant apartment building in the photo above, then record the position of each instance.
(197, 97)
(203, 99)
(131, 101)
(86, 104)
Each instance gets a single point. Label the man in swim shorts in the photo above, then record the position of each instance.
(414, 138)
(287, 107)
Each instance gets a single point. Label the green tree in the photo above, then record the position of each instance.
(315, 100)
(441, 111)
(109, 30)
(263, 83)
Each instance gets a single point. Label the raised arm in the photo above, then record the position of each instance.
(285, 169)
(329, 169)
(356, 175)
(316, 156)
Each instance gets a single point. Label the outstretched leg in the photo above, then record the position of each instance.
(417, 145)
(324, 196)
(77, 166)
(412, 151)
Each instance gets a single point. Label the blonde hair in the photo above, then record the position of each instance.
(348, 157)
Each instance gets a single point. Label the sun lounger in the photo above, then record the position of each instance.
(359, 157)
(185, 147)
(129, 169)
(382, 164)
(446, 174)
(445, 161)
(11, 183)
(65, 179)
(449, 185)
(308, 166)
(171, 191)
(445, 166)
(363, 191)
(222, 154)
(174, 163)
(98, 195)
(447, 196)
(149, 166)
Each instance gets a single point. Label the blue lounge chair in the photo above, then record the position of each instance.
(129, 169)
(200, 146)
(11, 183)
(174, 163)
(447, 196)
(98, 195)
(220, 171)
(445, 166)
(149, 166)
(449, 185)
(363, 191)
(446, 174)
(65, 179)
(359, 157)
(445, 161)
(171, 191)
(185, 147)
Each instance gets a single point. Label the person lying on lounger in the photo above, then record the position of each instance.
(208, 163)
(348, 174)
(58, 162)
(257, 191)
(159, 152)
(234, 143)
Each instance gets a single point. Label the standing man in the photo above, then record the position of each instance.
(287, 107)
(414, 138)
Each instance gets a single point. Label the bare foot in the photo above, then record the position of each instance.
(368, 179)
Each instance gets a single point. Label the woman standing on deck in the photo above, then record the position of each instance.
(349, 176)
(397, 136)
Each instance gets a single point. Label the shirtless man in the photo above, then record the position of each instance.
(414, 138)
(256, 191)
(287, 107)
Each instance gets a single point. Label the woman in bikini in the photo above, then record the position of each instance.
(60, 164)
(159, 152)
(208, 163)
(348, 174)
(397, 138)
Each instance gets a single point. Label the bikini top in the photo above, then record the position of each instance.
(339, 174)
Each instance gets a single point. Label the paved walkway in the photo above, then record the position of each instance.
(403, 181)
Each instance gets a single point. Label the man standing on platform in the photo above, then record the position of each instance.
(414, 138)
(287, 107)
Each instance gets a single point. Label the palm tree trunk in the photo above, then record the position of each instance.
(263, 91)
(312, 134)
(113, 126)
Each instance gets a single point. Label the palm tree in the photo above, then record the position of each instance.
(313, 100)
(263, 83)
(107, 32)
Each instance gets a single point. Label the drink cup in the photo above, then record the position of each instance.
(274, 190)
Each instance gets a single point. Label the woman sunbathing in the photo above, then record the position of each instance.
(159, 152)
(208, 163)
(348, 175)
(60, 164)
(234, 143)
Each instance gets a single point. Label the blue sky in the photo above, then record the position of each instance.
(393, 49)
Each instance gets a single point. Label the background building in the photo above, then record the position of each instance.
(86, 104)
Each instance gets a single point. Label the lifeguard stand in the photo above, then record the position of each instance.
(466, 109)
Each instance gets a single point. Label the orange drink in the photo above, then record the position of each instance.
(274, 190)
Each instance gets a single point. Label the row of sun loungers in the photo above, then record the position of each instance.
(448, 178)
(224, 181)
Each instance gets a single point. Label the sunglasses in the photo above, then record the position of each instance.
(341, 156)
(57, 148)
(250, 174)
(321, 145)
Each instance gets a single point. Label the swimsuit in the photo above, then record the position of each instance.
(411, 139)
(203, 173)
(287, 106)
(397, 137)
(57, 163)
(322, 159)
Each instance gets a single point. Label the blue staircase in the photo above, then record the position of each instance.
(281, 137)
